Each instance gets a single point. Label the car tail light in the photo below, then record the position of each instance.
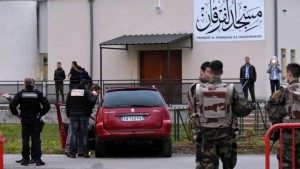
(99, 116)
(166, 115)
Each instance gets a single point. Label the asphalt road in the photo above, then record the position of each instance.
(177, 161)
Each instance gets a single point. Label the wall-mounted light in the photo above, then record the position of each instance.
(158, 7)
(284, 10)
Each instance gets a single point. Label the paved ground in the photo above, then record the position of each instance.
(177, 161)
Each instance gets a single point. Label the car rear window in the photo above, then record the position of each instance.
(132, 98)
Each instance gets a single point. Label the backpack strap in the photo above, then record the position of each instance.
(199, 93)
(229, 93)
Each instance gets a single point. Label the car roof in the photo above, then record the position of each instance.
(131, 88)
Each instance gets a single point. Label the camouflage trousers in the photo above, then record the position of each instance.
(287, 149)
(212, 150)
(198, 144)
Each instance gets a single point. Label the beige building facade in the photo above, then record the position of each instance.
(18, 40)
(69, 35)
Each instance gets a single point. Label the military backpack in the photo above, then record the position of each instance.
(215, 105)
(292, 105)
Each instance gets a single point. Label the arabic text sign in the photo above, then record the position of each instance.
(228, 20)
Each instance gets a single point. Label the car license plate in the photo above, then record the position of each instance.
(132, 118)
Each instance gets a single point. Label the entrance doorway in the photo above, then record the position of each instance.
(153, 71)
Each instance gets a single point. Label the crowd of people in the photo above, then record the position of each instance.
(33, 105)
(213, 109)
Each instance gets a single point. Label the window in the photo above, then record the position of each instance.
(293, 56)
(132, 98)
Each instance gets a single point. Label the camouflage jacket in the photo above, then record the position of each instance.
(191, 96)
(276, 105)
(215, 133)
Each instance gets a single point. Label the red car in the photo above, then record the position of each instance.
(135, 114)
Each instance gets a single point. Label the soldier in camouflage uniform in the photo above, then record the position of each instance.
(218, 134)
(283, 107)
(194, 119)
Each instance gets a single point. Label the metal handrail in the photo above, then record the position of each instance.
(177, 94)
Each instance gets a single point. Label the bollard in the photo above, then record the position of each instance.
(2, 140)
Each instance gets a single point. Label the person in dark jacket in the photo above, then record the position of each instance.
(78, 109)
(248, 78)
(33, 105)
(95, 91)
(59, 77)
(73, 76)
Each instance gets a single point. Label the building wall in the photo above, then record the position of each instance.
(288, 27)
(68, 34)
(69, 38)
(18, 42)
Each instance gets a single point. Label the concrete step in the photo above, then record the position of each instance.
(249, 122)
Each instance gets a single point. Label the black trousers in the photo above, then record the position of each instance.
(59, 88)
(248, 85)
(275, 84)
(79, 125)
(31, 128)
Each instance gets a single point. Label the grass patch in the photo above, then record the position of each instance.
(248, 142)
(50, 139)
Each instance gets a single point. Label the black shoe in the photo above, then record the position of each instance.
(32, 161)
(86, 156)
(71, 155)
(25, 162)
(19, 161)
(80, 155)
(39, 162)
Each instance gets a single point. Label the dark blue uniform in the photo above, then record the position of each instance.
(33, 105)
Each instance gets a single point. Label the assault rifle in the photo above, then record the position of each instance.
(274, 137)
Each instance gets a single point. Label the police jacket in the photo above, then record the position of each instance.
(252, 74)
(59, 76)
(79, 102)
(32, 103)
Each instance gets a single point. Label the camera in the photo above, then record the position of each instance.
(274, 61)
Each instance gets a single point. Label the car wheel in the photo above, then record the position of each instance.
(167, 148)
(99, 149)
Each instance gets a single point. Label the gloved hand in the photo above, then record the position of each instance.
(275, 135)
(251, 106)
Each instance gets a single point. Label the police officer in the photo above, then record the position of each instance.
(281, 108)
(194, 119)
(33, 105)
(78, 108)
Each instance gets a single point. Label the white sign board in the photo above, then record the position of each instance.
(228, 20)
